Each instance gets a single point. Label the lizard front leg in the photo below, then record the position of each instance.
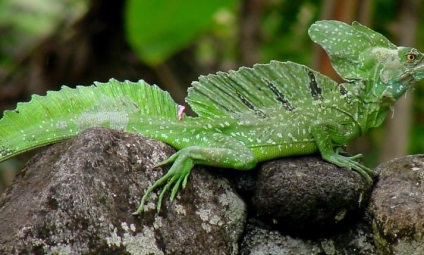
(218, 150)
(324, 135)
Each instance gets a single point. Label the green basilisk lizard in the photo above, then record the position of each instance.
(245, 116)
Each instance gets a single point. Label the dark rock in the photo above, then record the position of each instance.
(77, 197)
(397, 204)
(308, 193)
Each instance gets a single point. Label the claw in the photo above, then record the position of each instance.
(366, 173)
(175, 189)
(162, 193)
(168, 160)
(355, 157)
(185, 182)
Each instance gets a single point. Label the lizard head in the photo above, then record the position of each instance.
(393, 71)
(412, 67)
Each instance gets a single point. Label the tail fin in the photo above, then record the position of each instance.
(63, 114)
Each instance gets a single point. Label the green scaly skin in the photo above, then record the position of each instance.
(245, 116)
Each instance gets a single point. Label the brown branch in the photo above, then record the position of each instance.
(251, 13)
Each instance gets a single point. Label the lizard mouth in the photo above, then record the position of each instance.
(418, 71)
(412, 74)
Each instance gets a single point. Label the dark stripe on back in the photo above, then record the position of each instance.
(342, 89)
(344, 92)
(313, 86)
(280, 97)
(249, 105)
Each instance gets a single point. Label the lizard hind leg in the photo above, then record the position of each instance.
(219, 151)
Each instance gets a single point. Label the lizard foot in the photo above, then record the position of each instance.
(176, 176)
(350, 163)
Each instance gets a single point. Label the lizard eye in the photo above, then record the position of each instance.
(410, 57)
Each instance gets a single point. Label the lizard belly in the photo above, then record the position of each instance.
(267, 152)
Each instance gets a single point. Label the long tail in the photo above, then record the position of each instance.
(63, 114)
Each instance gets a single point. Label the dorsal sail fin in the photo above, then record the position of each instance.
(261, 90)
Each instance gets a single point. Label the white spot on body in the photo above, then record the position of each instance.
(294, 139)
(270, 141)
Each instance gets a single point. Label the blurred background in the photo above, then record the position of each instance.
(47, 43)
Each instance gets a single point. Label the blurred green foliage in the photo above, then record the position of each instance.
(158, 29)
(24, 23)
(284, 30)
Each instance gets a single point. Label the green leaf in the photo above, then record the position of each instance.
(157, 29)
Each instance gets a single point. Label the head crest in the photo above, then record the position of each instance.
(345, 44)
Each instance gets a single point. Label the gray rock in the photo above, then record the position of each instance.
(260, 239)
(397, 204)
(307, 193)
(77, 197)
